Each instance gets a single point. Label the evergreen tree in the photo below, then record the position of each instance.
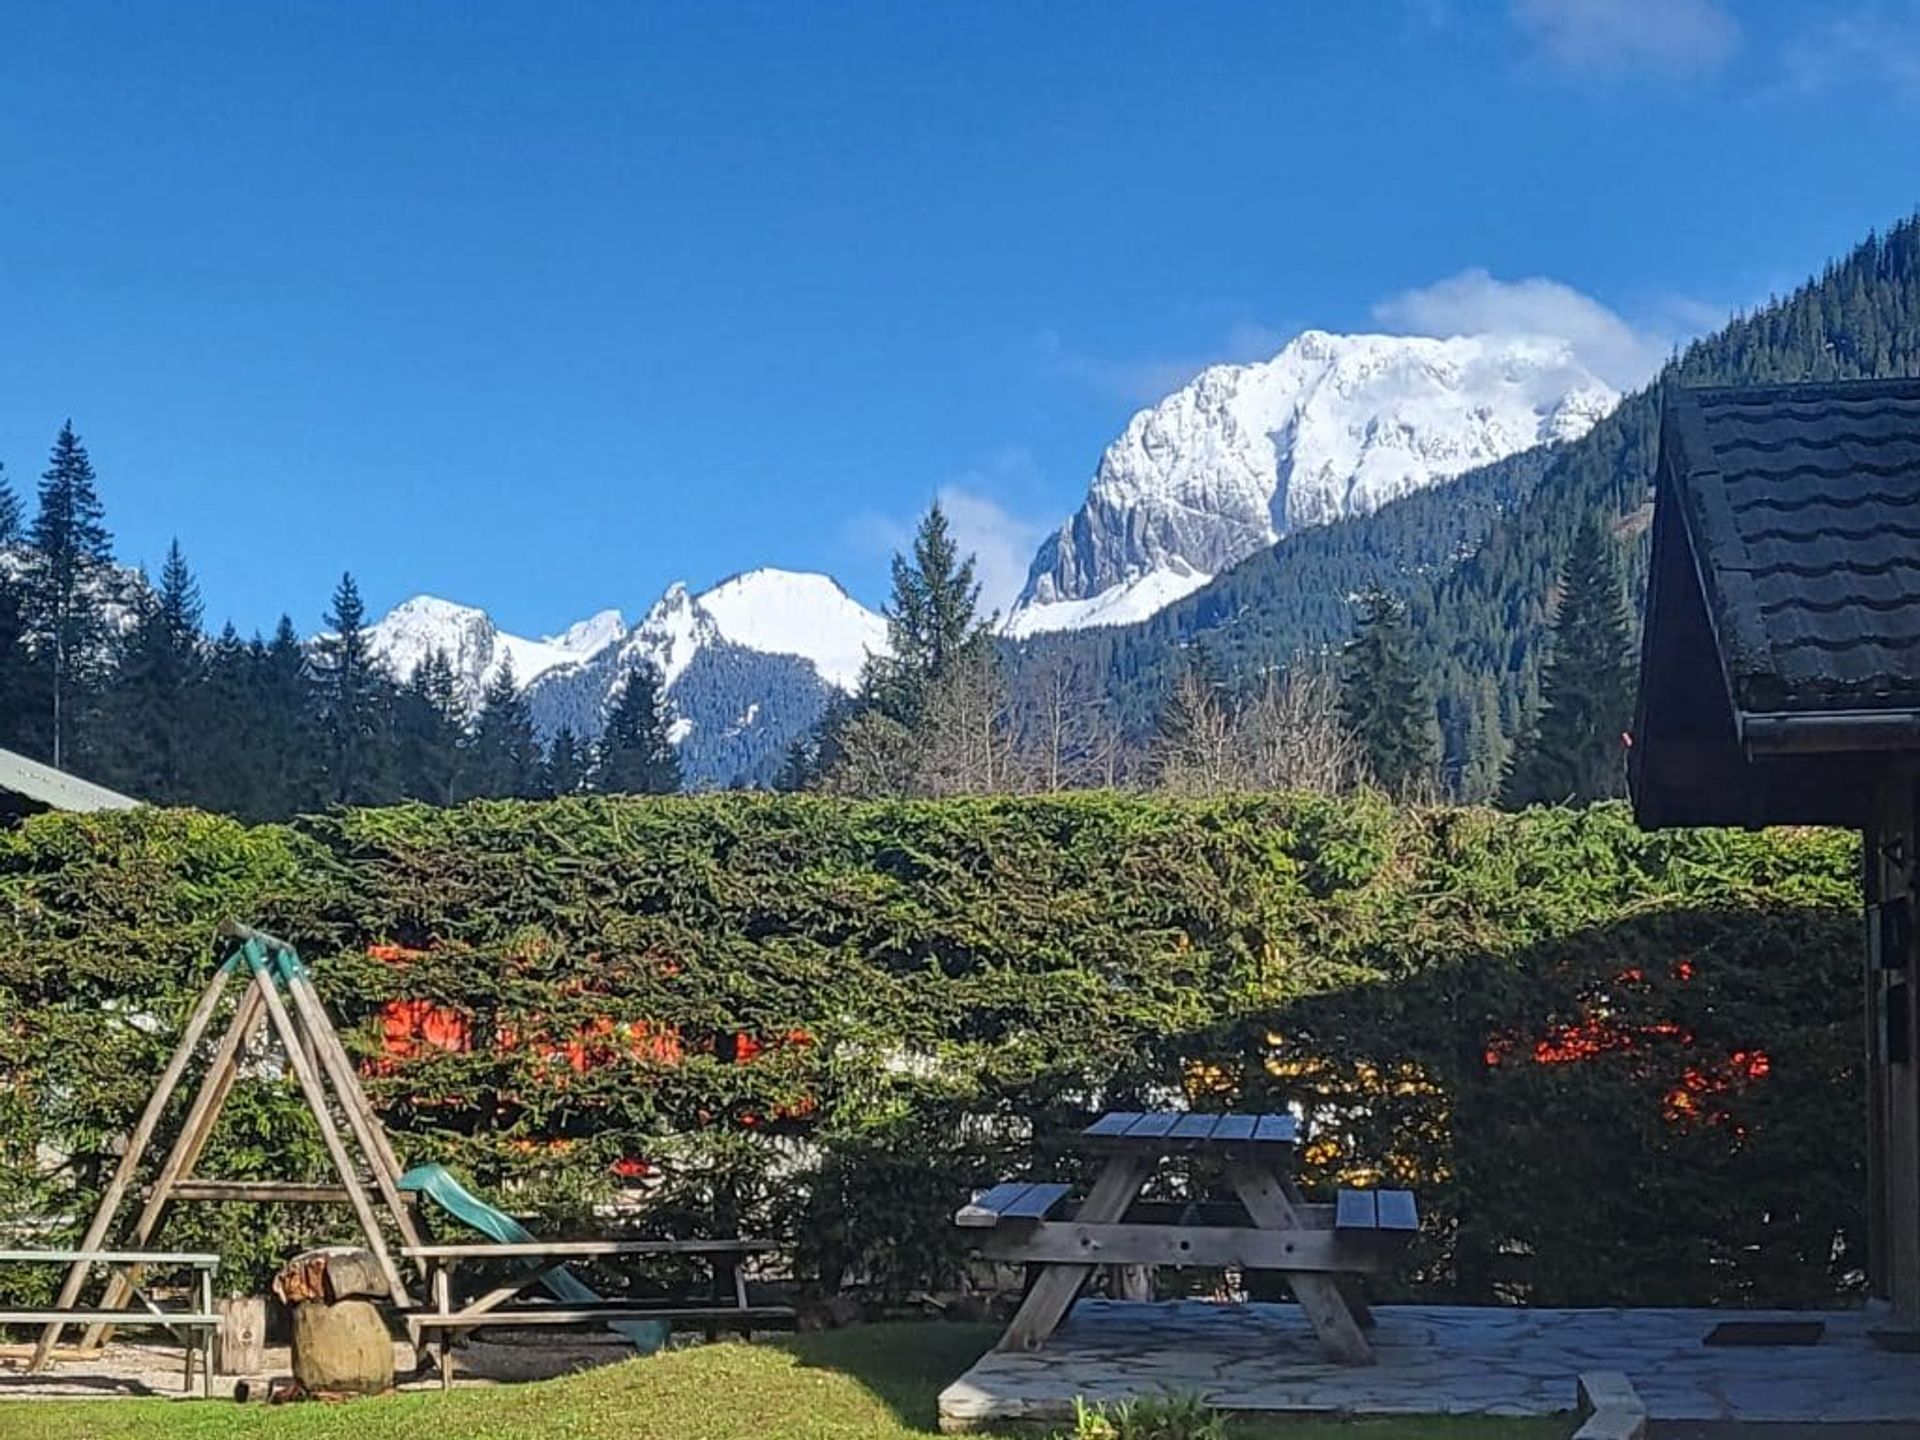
(282, 699)
(69, 576)
(155, 721)
(23, 705)
(504, 757)
(937, 647)
(635, 755)
(354, 706)
(12, 520)
(932, 620)
(1382, 699)
(1574, 750)
(567, 761)
(430, 731)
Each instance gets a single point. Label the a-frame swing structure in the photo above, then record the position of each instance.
(277, 986)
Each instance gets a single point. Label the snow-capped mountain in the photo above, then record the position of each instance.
(478, 649)
(1332, 426)
(748, 665)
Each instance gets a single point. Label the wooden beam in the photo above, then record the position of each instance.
(1310, 1251)
(263, 1192)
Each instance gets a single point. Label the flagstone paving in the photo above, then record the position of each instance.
(1442, 1360)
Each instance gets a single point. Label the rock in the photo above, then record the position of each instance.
(341, 1348)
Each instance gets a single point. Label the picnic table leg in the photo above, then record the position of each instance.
(1265, 1196)
(1053, 1293)
(443, 1302)
(1130, 1282)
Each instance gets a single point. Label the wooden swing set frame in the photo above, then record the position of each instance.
(278, 985)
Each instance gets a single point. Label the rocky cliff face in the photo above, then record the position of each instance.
(1332, 426)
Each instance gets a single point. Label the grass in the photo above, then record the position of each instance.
(874, 1382)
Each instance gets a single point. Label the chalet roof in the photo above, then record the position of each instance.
(1780, 663)
(1803, 503)
(27, 785)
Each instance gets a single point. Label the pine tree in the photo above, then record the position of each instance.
(430, 732)
(1382, 699)
(283, 697)
(635, 755)
(932, 620)
(12, 520)
(69, 574)
(23, 705)
(154, 712)
(504, 757)
(354, 706)
(566, 765)
(881, 743)
(1574, 750)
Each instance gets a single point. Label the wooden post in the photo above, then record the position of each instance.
(1893, 1008)
(130, 1157)
(240, 1348)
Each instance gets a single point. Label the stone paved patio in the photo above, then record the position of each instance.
(1442, 1360)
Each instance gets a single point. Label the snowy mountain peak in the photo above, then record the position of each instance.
(794, 612)
(416, 628)
(1332, 426)
(595, 633)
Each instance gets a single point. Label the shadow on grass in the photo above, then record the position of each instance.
(905, 1366)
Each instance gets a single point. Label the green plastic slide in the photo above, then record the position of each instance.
(438, 1185)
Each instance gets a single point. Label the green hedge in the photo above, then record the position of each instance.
(1616, 1066)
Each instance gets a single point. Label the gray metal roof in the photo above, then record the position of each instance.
(44, 786)
(1802, 503)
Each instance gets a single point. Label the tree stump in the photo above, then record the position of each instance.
(340, 1340)
(240, 1345)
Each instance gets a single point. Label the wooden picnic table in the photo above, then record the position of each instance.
(1273, 1228)
(506, 1304)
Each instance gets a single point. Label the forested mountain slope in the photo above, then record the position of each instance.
(1476, 558)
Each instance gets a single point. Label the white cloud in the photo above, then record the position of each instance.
(1623, 353)
(1146, 380)
(1001, 543)
(1872, 45)
(1674, 38)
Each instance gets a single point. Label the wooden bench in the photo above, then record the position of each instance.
(193, 1328)
(1011, 1203)
(504, 1305)
(1382, 1212)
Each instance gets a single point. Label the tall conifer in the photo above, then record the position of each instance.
(1575, 749)
(1383, 700)
(69, 576)
(635, 755)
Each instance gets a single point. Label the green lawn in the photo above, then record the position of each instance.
(874, 1382)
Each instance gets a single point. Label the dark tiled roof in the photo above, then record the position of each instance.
(1803, 504)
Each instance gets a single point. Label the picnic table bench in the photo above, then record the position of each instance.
(194, 1328)
(506, 1303)
(1316, 1247)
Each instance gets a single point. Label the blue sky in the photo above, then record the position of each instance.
(543, 307)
